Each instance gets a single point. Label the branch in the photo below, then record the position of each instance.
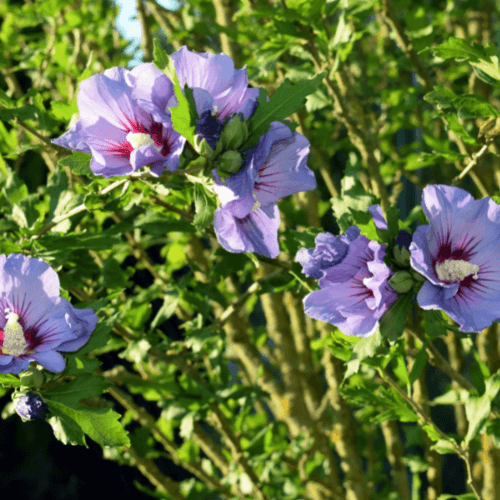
(357, 136)
(147, 39)
(470, 166)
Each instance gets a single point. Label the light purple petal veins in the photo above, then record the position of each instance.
(458, 253)
(35, 322)
(112, 126)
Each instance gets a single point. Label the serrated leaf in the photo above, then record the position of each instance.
(184, 114)
(100, 424)
(78, 162)
(442, 97)
(478, 408)
(287, 99)
(472, 106)
(365, 348)
(457, 48)
(205, 206)
(455, 126)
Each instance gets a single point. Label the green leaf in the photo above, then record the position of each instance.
(484, 60)
(78, 162)
(365, 222)
(205, 205)
(442, 97)
(183, 115)
(187, 425)
(5, 100)
(457, 48)
(15, 189)
(287, 99)
(365, 348)
(393, 321)
(478, 408)
(25, 212)
(398, 362)
(472, 106)
(100, 424)
(170, 301)
(443, 447)
(455, 126)
(419, 363)
(9, 379)
(157, 224)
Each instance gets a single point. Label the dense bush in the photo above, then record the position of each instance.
(270, 253)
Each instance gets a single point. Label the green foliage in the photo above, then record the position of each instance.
(144, 257)
(72, 419)
(287, 99)
(184, 114)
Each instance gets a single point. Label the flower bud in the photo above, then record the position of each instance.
(234, 132)
(401, 248)
(401, 281)
(209, 127)
(202, 147)
(230, 162)
(417, 276)
(32, 378)
(31, 406)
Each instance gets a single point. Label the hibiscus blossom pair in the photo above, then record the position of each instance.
(457, 252)
(125, 123)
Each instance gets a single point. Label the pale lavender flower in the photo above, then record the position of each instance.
(329, 251)
(35, 322)
(248, 218)
(217, 86)
(121, 135)
(354, 290)
(458, 252)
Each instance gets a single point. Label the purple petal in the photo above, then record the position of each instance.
(257, 232)
(236, 193)
(51, 360)
(285, 169)
(153, 91)
(29, 286)
(378, 217)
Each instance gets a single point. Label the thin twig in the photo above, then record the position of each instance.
(471, 165)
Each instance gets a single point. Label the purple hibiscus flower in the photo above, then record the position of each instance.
(122, 136)
(330, 250)
(248, 218)
(354, 290)
(217, 86)
(35, 322)
(219, 90)
(458, 254)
